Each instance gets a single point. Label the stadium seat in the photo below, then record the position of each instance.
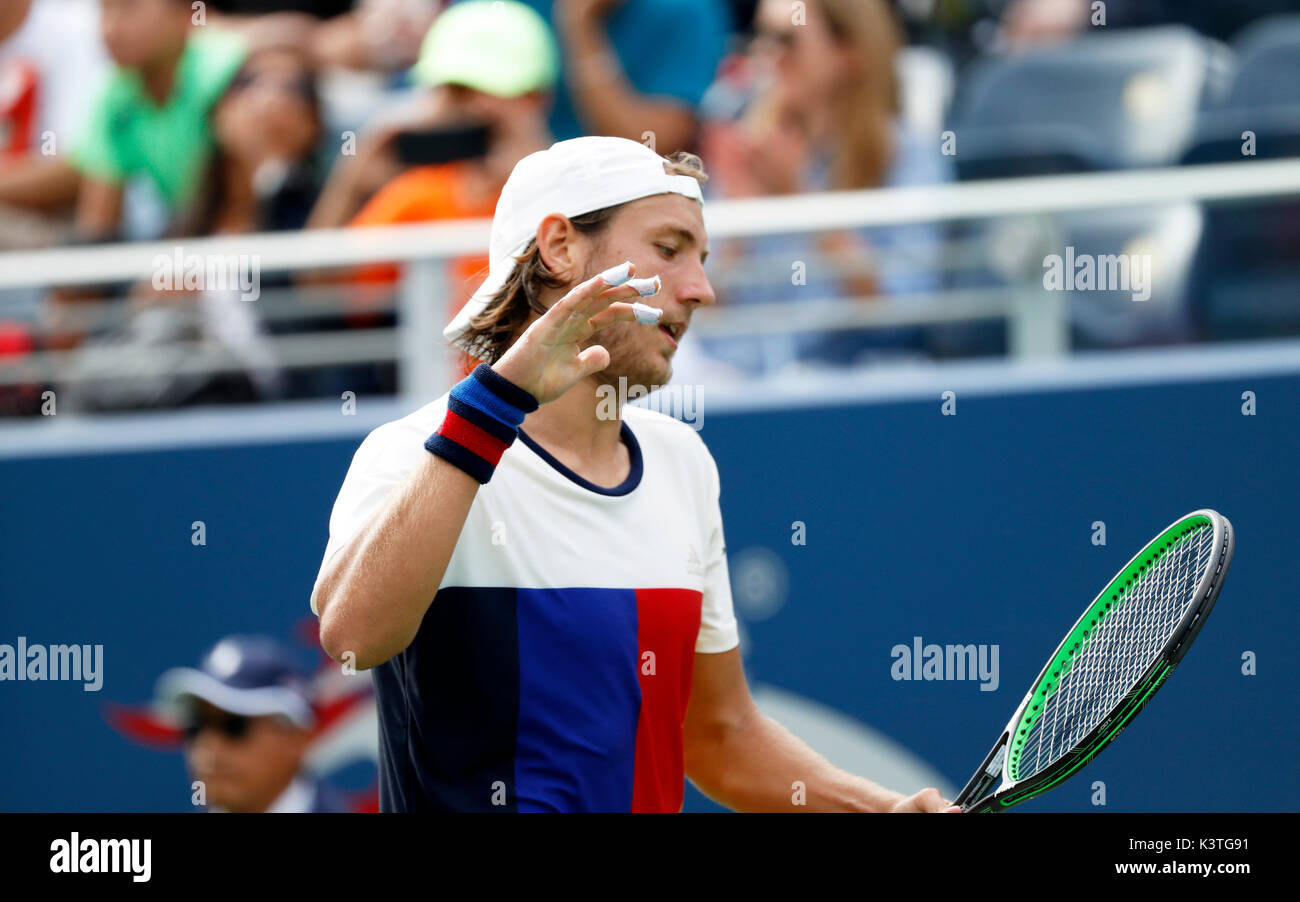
(1246, 275)
(1263, 97)
(1105, 101)
(1110, 317)
(1012, 252)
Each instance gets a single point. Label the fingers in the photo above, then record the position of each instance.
(614, 284)
(585, 293)
(591, 306)
(928, 801)
(592, 360)
(633, 289)
(618, 312)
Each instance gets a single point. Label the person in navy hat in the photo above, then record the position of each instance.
(247, 717)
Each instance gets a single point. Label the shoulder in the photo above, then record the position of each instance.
(421, 421)
(660, 434)
(119, 91)
(217, 46)
(647, 418)
(399, 443)
(213, 59)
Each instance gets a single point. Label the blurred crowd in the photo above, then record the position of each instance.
(167, 119)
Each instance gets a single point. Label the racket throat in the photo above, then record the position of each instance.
(987, 778)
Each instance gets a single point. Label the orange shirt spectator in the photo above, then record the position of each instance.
(428, 194)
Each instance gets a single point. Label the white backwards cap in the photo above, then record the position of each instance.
(570, 178)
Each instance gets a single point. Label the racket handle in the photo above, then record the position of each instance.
(987, 778)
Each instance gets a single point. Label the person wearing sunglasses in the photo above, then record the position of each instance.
(247, 720)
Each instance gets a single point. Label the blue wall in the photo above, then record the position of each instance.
(965, 529)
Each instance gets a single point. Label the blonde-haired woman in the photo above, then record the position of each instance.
(815, 106)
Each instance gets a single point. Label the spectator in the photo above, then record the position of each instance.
(966, 28)
(261, 177)
(50, 53)
(152, 118)
(487, 63)
(820, 110)
(255, 10)
(503, 85)
(267, 128)
(247, 716)
(1032, 23)
(633, 68)
(378, 35)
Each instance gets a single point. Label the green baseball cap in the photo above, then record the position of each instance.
(499, 47)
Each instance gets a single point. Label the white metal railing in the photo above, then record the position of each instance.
(1037, 319)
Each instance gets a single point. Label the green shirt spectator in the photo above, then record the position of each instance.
(129, 135)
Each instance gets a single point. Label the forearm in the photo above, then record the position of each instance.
(376, 589)
(607, 103)
(39, 184)
(373, 593)
(340, 199)
(99, 209)
(762, 766)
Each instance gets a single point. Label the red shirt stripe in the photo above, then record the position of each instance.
(668, 623)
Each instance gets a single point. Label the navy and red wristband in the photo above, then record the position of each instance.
(484, 411)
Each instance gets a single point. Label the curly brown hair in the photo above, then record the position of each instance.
(507, 315)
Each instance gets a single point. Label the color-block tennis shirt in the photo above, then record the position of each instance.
(553, 668)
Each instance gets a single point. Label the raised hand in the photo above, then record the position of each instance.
(548, 359)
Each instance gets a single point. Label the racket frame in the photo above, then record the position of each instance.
(991, 789)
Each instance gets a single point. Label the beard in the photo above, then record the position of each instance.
(633, 356)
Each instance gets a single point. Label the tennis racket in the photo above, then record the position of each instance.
(1109, 665)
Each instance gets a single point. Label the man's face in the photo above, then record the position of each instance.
(137, 32)
(500, 113)
(248, 771)
(664, 236)
(806, 56)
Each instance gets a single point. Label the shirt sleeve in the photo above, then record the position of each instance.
(96, 154)
(693, 33)
(718, 630)
(86, 66)
(380, 464)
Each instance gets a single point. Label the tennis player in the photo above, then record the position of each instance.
(540, 582)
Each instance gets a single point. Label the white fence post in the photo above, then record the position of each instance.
(1040, 325)
(423, 366)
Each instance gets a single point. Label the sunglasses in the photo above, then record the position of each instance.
(232, 726)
